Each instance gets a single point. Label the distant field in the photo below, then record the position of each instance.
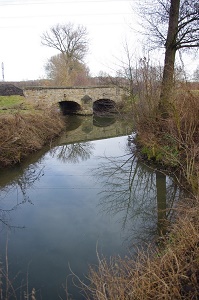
(12, 103)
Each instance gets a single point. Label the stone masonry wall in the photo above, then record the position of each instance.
(54, 95)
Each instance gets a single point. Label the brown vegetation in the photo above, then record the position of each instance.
(173, 141)
(171, 272)
(171, 269)
(23, 133)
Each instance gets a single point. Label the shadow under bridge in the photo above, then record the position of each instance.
(97, 107)
(69, 107)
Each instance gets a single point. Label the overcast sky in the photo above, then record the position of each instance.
(22, 23)
(109, 24)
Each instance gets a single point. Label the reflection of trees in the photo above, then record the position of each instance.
(19, 188)
(74, 152)
(139, 195)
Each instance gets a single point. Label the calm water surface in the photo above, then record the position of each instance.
(87, 192)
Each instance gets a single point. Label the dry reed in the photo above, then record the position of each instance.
(173, 141)
(169, 273)
(21, 134)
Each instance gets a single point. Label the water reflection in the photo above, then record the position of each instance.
(73, 153)
(107, 121)
(62, 204)
(81, 129)
(14, 195)
(144, 196)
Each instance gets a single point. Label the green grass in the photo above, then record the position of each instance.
(9, 101)
(13, 103)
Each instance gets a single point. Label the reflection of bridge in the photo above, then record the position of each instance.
(82, 129)
(79, 129)
(79, 100)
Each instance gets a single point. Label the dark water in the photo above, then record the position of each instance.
(87, 193)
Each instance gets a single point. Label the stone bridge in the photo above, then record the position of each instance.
(77, 100)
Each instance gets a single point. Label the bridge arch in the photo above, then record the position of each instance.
(69, 107)
(104, 105)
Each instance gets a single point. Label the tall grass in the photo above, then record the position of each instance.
(173, 141)
(184, 128)
(21, 134)
(168, 273)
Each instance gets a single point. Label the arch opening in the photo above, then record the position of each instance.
(69, 107)
(104, 106)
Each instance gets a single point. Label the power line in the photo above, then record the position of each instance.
(60, 2)
(33, 25)
(67, 15)
(86, 24)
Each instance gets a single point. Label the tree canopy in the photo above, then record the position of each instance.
(156, 17)
(70, 41)
(173, 24)
(56, 71)
(72, 45)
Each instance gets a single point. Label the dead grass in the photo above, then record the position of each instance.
(21, 134)
(170, 272)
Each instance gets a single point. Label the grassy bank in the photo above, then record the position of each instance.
(171, 270)
(24, 129)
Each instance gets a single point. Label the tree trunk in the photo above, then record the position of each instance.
(168, 73)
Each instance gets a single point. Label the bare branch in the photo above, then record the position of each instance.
(71, 42)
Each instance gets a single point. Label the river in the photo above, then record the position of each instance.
(86, 194)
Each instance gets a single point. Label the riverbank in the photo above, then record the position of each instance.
(173, 143)
(25, 129)
(167, 272)
(171, 270)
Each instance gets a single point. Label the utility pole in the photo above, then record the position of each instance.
(2, 66)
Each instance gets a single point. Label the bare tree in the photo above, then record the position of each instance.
(71, 42)
(141, 78)
(173, 24)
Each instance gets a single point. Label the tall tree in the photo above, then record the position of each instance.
(171, 47)
(71, 42)
(173, 24)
